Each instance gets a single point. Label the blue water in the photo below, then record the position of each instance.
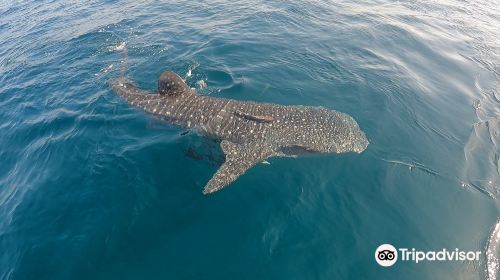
(91, 188)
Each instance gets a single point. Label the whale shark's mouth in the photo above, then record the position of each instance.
(361, 146)
(361, 143)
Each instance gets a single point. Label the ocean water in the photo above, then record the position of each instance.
(91, 188)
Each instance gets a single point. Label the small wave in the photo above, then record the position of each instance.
(191, 69)
(104, 70)
(493, 253)
(201, 84)
(412, 165)
(482, 156)
(120, 47)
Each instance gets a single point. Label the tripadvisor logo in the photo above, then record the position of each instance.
(387, 255)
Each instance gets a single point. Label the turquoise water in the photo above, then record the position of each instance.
(91, 188)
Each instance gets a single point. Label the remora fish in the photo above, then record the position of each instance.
(250, 132)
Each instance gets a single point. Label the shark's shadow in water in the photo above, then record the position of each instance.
(249, 132)
(207, 150)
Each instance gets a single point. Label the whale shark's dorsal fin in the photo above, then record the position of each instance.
(239, 158)
(171, 84)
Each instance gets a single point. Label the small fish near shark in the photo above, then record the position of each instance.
(250, 132)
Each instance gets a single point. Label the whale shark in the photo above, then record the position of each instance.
(249, 132)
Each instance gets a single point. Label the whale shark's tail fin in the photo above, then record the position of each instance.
(171, 84)
(121, 85)
(124, 61)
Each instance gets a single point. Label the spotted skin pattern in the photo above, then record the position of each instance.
(250, 132)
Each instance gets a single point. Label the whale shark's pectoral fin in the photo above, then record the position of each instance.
(239, 158)
(255, 118)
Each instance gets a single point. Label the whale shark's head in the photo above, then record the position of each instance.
(353, 139)
(335, 132)
(359, 141)
(325, 131)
